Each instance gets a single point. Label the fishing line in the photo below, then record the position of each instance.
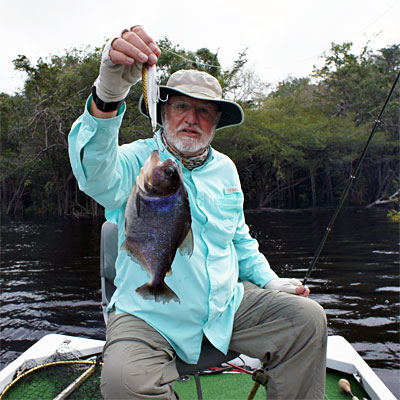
(349, 183)
(376, 19)
(190, 60)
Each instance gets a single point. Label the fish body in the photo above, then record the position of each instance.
(157, 223)
(151, 92)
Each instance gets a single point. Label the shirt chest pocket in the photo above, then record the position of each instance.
(223, 214)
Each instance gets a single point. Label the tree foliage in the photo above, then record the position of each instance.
(297, 147)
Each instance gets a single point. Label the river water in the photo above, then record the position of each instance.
(50, 278)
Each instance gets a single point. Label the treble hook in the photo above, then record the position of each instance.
(164, 101)
(158, 144)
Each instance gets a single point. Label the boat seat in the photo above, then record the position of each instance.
(209, 357)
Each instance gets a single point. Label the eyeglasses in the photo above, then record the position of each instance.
(205, 111)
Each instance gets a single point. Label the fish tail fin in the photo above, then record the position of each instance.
(162, 293)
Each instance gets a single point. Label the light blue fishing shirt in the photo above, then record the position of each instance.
(208, 283)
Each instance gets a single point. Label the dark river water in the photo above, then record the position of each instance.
(50, 278)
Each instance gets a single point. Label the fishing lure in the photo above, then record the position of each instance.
(151, 95)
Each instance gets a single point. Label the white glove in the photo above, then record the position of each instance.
(288, 285)
(115, 80)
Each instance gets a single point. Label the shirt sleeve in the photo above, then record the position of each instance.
(104, 170)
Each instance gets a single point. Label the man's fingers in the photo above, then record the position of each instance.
(303, 291)
(138, 51)
(134, 45)
(120, 58)
(122, 46)
(137, 46)
(139, 31)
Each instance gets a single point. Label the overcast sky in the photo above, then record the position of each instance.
(284, 38)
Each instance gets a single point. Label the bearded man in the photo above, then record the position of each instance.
(229, 295)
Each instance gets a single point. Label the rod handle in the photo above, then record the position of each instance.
(344, 384)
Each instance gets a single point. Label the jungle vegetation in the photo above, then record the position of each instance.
(296, 148)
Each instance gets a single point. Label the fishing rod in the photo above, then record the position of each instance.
(349, 183)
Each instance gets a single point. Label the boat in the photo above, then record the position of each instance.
(75, 362)
(342, 362)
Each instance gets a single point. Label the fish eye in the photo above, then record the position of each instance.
(169, 172)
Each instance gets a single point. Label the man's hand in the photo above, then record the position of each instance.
(288, 285)
(121, 66)
(134, 45)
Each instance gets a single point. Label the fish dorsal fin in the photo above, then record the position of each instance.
(186, 247)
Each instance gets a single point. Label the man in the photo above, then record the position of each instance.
(265, 317)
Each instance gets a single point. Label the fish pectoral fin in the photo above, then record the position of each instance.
(186, 247)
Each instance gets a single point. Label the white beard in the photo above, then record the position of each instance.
(187, 145)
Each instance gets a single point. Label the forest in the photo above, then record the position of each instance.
(296, 149)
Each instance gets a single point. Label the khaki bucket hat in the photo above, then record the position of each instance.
(198, 85)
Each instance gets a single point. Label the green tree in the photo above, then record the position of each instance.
(296, 148)
(356, 86)
(38, 166)
(36, 173)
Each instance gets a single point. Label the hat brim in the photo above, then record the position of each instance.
(231, 113)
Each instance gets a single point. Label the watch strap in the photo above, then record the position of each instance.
(102, 105)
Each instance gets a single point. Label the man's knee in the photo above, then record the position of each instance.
(115, 371)
(311, 316)
(128, 383)
(129, 373)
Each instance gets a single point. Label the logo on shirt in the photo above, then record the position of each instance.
(232, 190)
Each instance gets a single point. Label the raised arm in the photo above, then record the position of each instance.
(104, 170)
(120, 68)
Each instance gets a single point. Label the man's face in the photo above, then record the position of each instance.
(189, 124)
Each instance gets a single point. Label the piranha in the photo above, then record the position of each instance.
(157, 223)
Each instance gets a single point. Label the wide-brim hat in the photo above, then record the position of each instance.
(198, 85)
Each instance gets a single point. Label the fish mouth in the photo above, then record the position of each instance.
(155, 156)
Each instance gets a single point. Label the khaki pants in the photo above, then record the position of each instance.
(285, 331)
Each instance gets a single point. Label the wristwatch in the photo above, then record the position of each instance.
(102, 105)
